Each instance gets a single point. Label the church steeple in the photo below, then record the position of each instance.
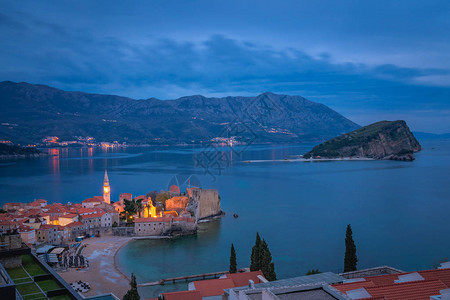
(106, 189)
(106, 180)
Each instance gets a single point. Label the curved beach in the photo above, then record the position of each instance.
(103, 275)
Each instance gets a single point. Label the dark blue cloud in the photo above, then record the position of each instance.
(370, 61)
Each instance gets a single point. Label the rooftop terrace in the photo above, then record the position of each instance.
(35, 280)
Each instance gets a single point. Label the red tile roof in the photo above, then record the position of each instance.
(54, 205)
(414, 290)
(384, 279)
(344, 287)
(213, 287)
(83, 210)
(93, 199)
(23, 228)
(5, 217)
(241, 279)
(74, 224)
(174, 188)
(14, 204)
(33, 212)
(47, 226)
(5, 222)
(96, 215)
(384, 286)
(55, 210)
(70, 216)
(441, 274)
(183, 295)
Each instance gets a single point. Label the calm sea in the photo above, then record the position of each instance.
(399, 211)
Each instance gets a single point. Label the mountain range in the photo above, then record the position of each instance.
(29, 112)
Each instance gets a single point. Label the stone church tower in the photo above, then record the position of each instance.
(106, 189)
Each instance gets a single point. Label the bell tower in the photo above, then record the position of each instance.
(106, 189)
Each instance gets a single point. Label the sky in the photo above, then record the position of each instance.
(368, 60)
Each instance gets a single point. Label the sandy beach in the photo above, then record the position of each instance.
(103, 274)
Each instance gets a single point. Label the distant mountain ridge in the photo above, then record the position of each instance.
(30, 112)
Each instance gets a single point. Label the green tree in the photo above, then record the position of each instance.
(162, 197)
(350, 259)
(313, 271)
(115, 224)
(266, 264)
(233, 264)
(139, 207)
(256, 255)
(130, 208)
(132, 293)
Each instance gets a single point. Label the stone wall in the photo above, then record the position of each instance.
(184, 226)
(203, 203)
(152, 228)
(177, 203)
(11, 241)
(123, 231)
(11, 262)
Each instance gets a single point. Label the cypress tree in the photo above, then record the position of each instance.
(350, 259)
(233, 264)
(267, 266)
(256, 255)
(132, 293)
(272, 276)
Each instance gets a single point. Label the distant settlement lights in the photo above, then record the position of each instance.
(106, 189)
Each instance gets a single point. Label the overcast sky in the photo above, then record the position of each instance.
(369, 60)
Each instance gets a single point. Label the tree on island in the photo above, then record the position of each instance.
(132, 293)
(255, 258)
(233, 264)
(261, 259)
(350, 259)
